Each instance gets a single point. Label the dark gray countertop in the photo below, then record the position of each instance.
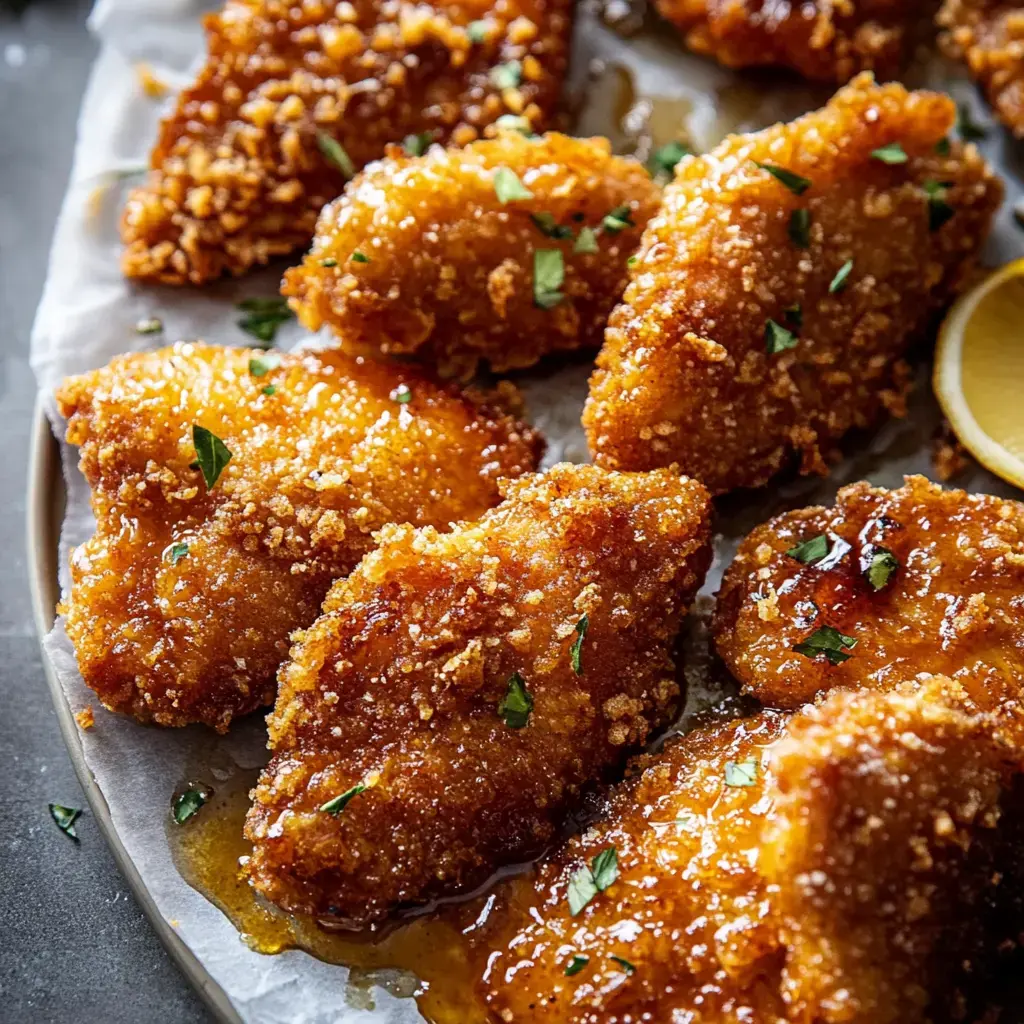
(76, 947)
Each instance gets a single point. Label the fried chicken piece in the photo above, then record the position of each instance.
(250, 154)
(841, 866)
(446, 265)
(827, 40)
(919, 579)
(443, 677)
(736, 346)
(183, 600)
(989, 37)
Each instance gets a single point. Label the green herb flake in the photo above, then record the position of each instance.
(828, 641)
(477, 31)
(337, 804)
(548, 275)
(516, 123)
(417, 145)
(586, 241)
(664, 159)
(402, 394)
(892, 153)
(741, 773)
(966, 127)
(576, 964)
(329, 262)
(263, 316)
(796, 184)
(508, 187)
(260, 366)
(359, 257)
(618, 220)
(65, 817)
(939, 211)
(605, 868)
(212, 454)
(778, 339)
(546, 224)
(842, 276)
(800, 228)
(587, 882)
(176, 552)
(943, 147)
(269, 389)
(335, 153)
(187, 804)
(576, 650)
(811, 551)
(632, 261)
(879, 567)
(507, 76)
(516, 705)
(152, 325)
(623, 963)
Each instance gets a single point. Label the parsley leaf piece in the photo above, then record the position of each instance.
(624, 964)
(942, 147)
(548, 275)
(477, 31)
(796, 184)
(778, 339)
(618, 220)
(576, 964)
(939, 211)
(152, 325)
(188, 804)
(632, 261)
(65, 818)
(839, 281)
(329, 262)
(811, 551)
(402, 394)
(263, 316)
(892, 153)
(337, 804)
(260, 366)
(879, 565)
(588, 881)
(794, 314)
(966, 127)
(176, 552)
(800, 228)
(516, 705)
(664, 159)
(605, 868)
(335, 153)
(417, 145)
(516, 123)
(212, 454)
(586, 241)
(828, 641)
(576, 650)
(508, 187)
(507, 76)
(741, 773)
(269, 389)
(359, 257)
(546, 224)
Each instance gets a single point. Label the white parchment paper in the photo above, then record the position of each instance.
(88, 314)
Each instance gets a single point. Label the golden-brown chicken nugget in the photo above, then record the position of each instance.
(504, 251)
(838, 867)
(294, 98)
(442, 716)
(822, 39)
(885, 584)
(988, 35)
(183, 600)
(768, 308)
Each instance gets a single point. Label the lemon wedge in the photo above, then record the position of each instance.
(979, 371)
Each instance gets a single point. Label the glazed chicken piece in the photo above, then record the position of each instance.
(842, 865)
(294, 98)
(474, 254)
(443, 715)
(183, 600)
(988, 35)
(768, 309)
(885, 584)
(827, 40)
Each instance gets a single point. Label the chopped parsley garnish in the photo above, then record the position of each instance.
(587, 882)
(548, 275)
(624, 964)
(337, 804)
(741, 773)
(576, 964)
(153, 325)
(65, 817)
(516, 705)
(632, 261)
(335, 153)
(269, 389)
(777, 338)
(263, 316)
(891, 153)
(586, 241)
(839, 281)
(800, 228)
(360, 257)
(260, 366)
(664, 159)
(617, 220)
(811, 551)
(939, 211)
(879, 565)
(942, 147)
(329, 262)
(417, 145)
(966, 127)
(402, 394)
(176, 552)
(477, 31)
(546, 224)
(186, 805)
(516, 123)
(576, 650)
(507, 186)
(796, 184)
(212, 454)
(794, 314)
(507, 76)
(828, 641)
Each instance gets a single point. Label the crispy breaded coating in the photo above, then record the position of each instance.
(445, 268)
(183, 600)
(988, 35)
(241, 168)
(442, 676)
(920, 579)
(735, 345)
(838, 867)
(827, 40)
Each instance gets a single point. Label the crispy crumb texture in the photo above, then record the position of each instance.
(239, 173)
(851, 881)
(399, 686)
(449, 268)
(952, 603)
(689, 374)
(183, 600)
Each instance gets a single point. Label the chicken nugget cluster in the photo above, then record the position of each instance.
(839, 865)
(295, 97)
(443, 715)
(502, 252)
(784, 277)
(231, 487)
